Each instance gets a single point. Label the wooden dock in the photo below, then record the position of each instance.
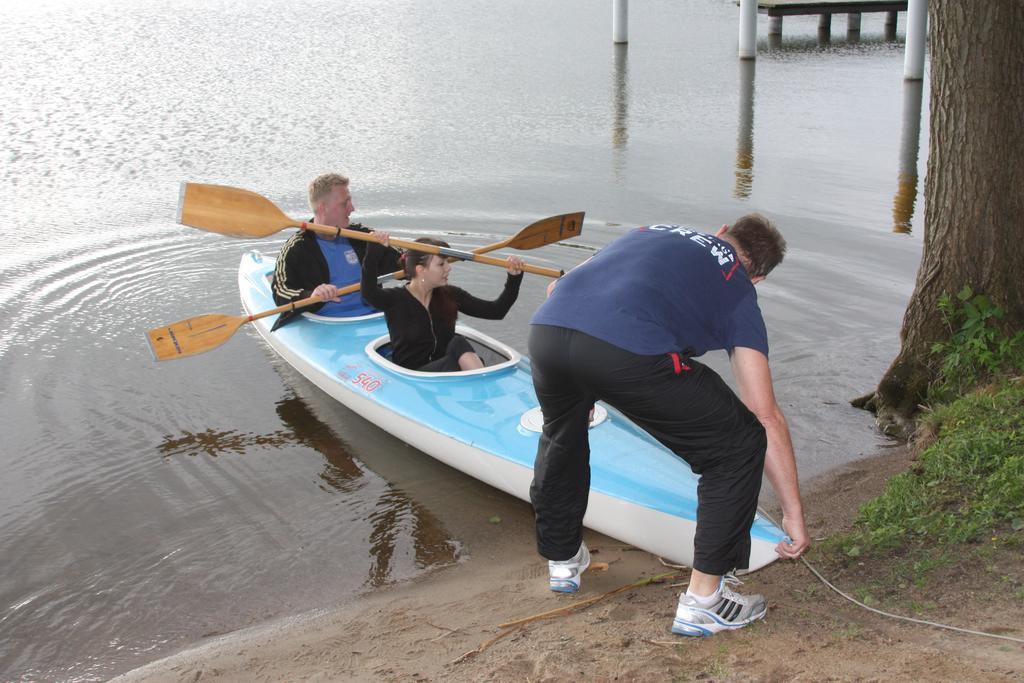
(787, 8)
(917, 23)
(853, 9)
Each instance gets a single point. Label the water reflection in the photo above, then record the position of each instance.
(620, 105)
(341, 468)
(745, 132)
(889, 30)
(214, 443)
(397, 518)
(910, 133)
(859, 43)
(394, 517)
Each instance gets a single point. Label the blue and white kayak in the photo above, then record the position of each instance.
(486, 423)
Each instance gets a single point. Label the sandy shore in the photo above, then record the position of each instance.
(423, 630)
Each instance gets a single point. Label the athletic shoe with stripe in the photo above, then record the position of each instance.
(564, 575)
(729, 612)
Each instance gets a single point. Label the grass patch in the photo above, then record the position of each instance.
(966, 490)
(966, 487)
(956, 517)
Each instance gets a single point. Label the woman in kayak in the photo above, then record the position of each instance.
(421, 315)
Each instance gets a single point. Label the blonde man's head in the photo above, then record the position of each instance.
(322, 186)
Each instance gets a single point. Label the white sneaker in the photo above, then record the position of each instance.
(564, 575)
(729, 612)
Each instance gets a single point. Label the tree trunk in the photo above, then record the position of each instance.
(974, 191)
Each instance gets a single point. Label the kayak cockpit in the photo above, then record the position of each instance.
(495, 355)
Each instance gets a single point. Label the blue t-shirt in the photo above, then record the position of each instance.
(343, 264)
(659, 289)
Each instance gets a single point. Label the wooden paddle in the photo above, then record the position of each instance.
(205, 332)
(241, 213)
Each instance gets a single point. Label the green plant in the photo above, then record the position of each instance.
(976, 349)
(849, 632)
(923, 567)
(863, 593)
(922, 608)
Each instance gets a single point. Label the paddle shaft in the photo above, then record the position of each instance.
(205, 332)
(348, 289)
(458, 254)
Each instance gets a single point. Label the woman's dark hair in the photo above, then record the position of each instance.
(442, 303)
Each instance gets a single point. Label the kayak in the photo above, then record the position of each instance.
(486, 423)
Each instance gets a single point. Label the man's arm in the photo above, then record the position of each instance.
(293, 279)
(750, 367)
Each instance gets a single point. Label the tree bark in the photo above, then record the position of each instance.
(974, 190)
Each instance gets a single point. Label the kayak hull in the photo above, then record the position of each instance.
(484, 424)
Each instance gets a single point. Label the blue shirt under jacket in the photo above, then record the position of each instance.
(659, 289)
(345, 269)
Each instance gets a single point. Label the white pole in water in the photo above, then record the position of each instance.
(620, 21)
(748, 29)
(917, 35)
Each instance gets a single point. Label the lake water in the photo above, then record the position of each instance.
(144, 506)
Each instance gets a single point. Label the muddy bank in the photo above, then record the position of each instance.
(421, 630)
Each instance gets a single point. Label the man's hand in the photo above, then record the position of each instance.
(798, 542)
(382, 237)
(327, 292)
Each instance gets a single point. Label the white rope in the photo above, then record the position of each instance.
(896, 616)
(911, 619)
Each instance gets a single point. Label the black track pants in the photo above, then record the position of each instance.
(683, 404)
(449, 362)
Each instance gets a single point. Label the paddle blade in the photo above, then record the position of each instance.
(192, 336)
(229, 211)
(548, 230)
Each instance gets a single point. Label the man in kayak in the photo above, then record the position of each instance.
(312, 264)
(624, 327)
